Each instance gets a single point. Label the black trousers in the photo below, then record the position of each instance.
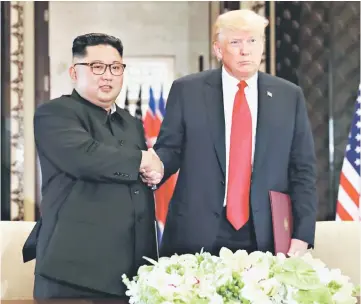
(233, 239)
(45, 288)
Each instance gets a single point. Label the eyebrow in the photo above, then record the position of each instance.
(238, 38)
(100, 61)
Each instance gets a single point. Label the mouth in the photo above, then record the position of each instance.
(106, 88)
(244, 62)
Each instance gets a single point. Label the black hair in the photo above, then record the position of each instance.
(81, 42)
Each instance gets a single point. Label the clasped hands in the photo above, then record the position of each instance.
(152, 171)
(151, 168)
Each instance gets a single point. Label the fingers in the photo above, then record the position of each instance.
(297, 248)
(150, 162)
(152, 151)
(151, 168)
(151, 177)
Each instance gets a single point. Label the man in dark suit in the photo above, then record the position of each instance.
(234, 134)
(97, 214)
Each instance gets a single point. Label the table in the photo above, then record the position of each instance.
(77, 301)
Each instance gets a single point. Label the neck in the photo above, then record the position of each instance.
(238, 76)
(107, 106)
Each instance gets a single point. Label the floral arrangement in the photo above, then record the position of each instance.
(256, 278)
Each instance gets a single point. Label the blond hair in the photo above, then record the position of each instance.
(242, 19)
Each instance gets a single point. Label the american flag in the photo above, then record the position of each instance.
(348, 202)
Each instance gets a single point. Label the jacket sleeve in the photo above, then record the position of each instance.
(170, 139)
(64, 141)
(302, 174)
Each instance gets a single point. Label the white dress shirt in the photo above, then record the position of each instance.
(113, 108)
(230, 88)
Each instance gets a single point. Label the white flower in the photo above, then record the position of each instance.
(336, 275)
(280, 256)
(237, 261)
(193, 278)
(216, 299)
(254, 294)
(270, 287)
(343, 298)
(255, 274)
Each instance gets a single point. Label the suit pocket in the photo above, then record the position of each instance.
(69, 242)
(85, 249)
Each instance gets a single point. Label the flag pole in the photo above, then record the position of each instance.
(332, 200)
(156, 238)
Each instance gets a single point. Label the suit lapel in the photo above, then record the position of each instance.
(215, 113)
(265, 104)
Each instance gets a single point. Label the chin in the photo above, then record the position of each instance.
(247, 72)
(107, 97)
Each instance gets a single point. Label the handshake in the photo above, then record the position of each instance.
(151, 168)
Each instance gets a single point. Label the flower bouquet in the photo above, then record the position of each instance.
(257, 278)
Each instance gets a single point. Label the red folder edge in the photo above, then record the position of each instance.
(282, 221)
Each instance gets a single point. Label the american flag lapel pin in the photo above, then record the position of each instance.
(269, 94)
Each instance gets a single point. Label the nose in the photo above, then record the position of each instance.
(107, 74)
(245, 46)
(245, 49)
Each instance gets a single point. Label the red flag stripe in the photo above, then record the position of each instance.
(351, 191)
(342, 213)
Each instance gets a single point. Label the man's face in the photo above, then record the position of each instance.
(241, 52)
(102, 90)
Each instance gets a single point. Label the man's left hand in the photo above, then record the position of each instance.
(152, 173)
(151, 178)
(297, 248)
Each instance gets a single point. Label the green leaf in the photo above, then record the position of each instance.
(333, 287)
(356, 291)
(304, 281)
(297, 273)
(295, 264)
(320, 295)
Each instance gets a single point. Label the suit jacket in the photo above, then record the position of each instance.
(192, 139)
(97, 215)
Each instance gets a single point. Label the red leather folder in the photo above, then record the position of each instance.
(282, 221)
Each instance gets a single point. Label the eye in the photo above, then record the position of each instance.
(97, 66)
(116, 67)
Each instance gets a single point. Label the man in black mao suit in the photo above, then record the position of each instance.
(97, 215)
(234, 134)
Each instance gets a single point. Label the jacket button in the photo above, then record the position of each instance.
(223, 183)
(136, 192)
(121, 142)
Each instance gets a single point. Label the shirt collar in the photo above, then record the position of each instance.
(251, 82)
(98, 111)
(113, 109)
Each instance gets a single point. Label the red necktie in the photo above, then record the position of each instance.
(240, 161)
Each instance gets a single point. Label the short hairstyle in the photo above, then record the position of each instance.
(242, 19)
(81, 42)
